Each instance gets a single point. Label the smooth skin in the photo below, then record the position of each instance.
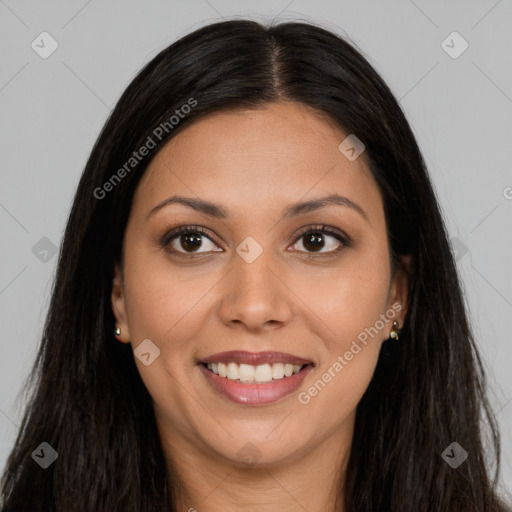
(292, 298)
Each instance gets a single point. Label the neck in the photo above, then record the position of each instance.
(311, 480)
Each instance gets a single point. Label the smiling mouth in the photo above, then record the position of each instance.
(255, 374)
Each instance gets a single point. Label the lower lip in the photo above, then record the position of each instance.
(256, 394)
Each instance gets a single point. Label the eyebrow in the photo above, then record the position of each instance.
(220, 212)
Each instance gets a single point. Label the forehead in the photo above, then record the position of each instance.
(261, 159)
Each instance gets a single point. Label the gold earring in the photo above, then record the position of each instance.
(395, 331)
(117, 331)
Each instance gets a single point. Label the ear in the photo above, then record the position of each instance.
(399, 291)
(119, 306)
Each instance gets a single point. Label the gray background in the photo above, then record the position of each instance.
(53, 109)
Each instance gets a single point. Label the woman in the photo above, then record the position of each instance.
(256, 306)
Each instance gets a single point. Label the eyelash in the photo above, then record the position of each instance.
(321, 228)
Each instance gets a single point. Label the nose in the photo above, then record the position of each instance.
(254, 296)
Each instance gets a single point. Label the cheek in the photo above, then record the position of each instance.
(162, 306)
(166, 305)
(357, 295)
(160, 296)
(350, 297)
(350, 352)
(337, 388)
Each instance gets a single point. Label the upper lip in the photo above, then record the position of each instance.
(254, 358)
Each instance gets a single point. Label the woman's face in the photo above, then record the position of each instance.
(261, 277)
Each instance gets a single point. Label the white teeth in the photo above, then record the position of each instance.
(233, 371)
(278, 371)
(263, 373)
(223, 372)
(246, 373)
(249, 373)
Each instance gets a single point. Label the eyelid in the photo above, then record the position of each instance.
(171, 234)
(323, 228)
(191, 228)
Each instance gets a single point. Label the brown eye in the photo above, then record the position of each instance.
(316, 240)
(189, 240)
